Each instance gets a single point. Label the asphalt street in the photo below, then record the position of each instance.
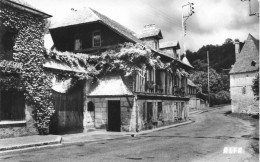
(203, 140)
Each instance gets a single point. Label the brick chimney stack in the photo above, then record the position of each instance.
(237, 47)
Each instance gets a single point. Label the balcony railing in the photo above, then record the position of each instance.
(152, 87)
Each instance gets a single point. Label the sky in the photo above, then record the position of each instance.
(213, 21)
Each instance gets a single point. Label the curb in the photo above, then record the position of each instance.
(196, 112)
(161, 128)
(93, 140)
(30, 145)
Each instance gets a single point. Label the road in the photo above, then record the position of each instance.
(203, 140)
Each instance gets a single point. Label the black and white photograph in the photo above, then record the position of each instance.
(129, 80)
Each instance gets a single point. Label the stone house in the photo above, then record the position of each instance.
(242, 74)
(20, 29)
(145, 100)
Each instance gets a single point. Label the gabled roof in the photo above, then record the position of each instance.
(22, 5)
(186, 61)
(150, 31)
(248, 54)
(169, 44)
(88, 15)
(111, 86)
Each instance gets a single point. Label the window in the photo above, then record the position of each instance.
(253, 63)
(6, 44)
(12, 105)
(77, 44)
(159, 110)
(149, 111)
(244, 90)
(144, 111)
(91, 106)
(96, 39)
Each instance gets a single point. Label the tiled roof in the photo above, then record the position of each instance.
(150, 31)
(190, 83)
(88, 15)
(169, 44)
(27, 7)
(111, 86)
(248, 54)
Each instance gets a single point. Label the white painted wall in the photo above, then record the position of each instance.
(240, 101)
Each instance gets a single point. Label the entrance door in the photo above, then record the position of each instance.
(114, 116)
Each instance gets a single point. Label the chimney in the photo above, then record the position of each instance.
(149, 27)
(237, 47)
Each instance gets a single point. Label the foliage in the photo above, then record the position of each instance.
(10, 66)
(221, 97)
(28, 51)
(126, 59)
(201, 77)
(221, 58)
(255, 86)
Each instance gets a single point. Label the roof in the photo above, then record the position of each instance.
(169, 44)
(248, 54)
(88, 15)
(190, 83)
(149, 31)
(58, 65)
(186, 61)
(111, 86)
(20, 4)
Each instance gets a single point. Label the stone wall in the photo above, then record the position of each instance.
(151, 42)
(241, 91)
(98, 118)
(172, 111)
(19, 128)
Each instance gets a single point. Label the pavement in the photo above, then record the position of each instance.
(18, 143)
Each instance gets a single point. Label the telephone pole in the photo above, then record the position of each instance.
(184, 18)
(250, 12)
(208, 77)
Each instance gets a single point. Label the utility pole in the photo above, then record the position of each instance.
(208, 76)
(184, 18)
(250, 12)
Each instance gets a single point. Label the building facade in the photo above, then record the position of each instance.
(21, 29)
(148, 99)
(242, 74)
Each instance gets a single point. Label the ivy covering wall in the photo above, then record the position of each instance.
(126, 59)
(28, 53)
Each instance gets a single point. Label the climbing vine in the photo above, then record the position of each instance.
(126, 59)
(28, 57)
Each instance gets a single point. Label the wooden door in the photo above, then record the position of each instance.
(114, 116)
(68, 115)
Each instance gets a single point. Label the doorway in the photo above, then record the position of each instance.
(114, 116)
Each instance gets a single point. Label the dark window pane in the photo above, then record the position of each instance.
(12, 105)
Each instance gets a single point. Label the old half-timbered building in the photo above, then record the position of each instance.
(20, 34)
(150, 98)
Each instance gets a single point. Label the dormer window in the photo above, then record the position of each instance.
(96, 38)
(77, 44)
(6, 44)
